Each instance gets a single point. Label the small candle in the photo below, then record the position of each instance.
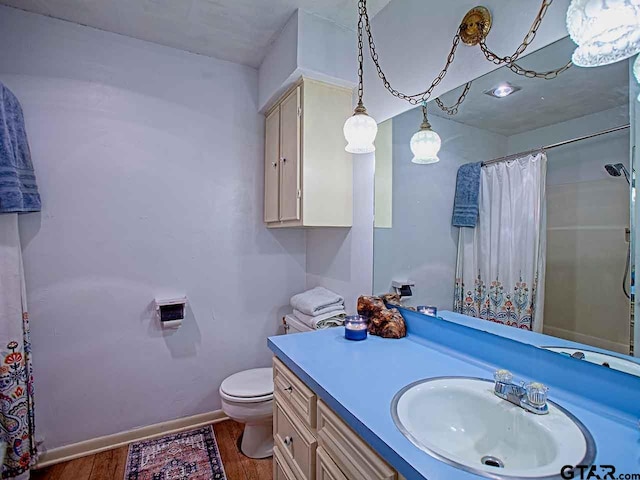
(355, 327)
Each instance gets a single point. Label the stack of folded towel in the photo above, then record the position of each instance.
(319, 308)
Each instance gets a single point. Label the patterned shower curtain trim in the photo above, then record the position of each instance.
(16, 398)
(515, 308)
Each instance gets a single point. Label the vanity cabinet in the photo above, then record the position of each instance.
(308, 176)
(317, 446)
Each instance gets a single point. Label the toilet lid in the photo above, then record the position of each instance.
(257, 382)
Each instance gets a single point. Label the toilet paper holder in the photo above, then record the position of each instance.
(171, 312)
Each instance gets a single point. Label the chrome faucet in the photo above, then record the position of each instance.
(531, 396)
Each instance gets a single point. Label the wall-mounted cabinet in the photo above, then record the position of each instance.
(308, 176)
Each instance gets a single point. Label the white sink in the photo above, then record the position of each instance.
(462, 422)
(614, 362)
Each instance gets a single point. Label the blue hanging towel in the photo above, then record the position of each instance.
(18, 189)
(465, 204)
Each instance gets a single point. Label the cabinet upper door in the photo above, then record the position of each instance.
(290, 157)
(272, 167)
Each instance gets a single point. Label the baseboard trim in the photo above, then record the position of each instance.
(108, 442)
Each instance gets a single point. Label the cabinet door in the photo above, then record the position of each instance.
(326, 469)
(272, 167)
(290, 157)
(281, 470)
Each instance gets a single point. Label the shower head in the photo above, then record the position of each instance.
(617, 169)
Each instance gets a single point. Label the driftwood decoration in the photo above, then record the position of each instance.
(384, 322)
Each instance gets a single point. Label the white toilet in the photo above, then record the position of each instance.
(247, 397)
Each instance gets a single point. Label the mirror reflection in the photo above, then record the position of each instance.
(523, 216)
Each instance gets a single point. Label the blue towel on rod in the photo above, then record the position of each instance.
(18, 189)
(465, 204)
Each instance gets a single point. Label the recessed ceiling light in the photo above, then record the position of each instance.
(502, 90)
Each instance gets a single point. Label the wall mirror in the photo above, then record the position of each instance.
(553, 249)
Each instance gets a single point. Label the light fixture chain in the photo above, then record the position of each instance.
(551, 74)
(510, 60)
(453, 109)
(529, 37)
(422, 97)
(417, 98)
(360, 56)
(443, 72)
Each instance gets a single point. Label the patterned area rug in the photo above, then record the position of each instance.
(191, 455)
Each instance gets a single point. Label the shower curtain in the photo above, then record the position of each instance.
(501, 263)
(16, 375)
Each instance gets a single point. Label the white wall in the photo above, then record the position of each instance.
(422, 245)
(149, 162)
(311, 46)
(583, 161)
(326, 50)
(280, 64)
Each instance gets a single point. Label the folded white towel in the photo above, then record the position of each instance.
(312, 321)
(317, 301)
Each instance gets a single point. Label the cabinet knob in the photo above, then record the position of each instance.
(284, 160)
(288, 441)
(275, 164)
(288, 389)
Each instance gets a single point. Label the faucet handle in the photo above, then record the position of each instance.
(503, 376)
(537, 393)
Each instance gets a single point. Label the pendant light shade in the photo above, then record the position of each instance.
(606, 31)
(360, 131)
(425, 143)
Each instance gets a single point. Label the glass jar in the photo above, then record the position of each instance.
(355, 327)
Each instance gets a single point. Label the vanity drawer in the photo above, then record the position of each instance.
(351, 454)
(296, 394)
(294, 441)
(326, 469)
(281, 470)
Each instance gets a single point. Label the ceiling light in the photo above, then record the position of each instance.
(606, 31)
(360, 131)
(425, 143)
(503, 90)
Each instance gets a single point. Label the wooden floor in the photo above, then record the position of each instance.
(110, 465)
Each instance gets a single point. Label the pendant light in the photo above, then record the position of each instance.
(606, 31)
(425, 143)
(360, 129)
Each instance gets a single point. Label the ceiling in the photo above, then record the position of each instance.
(574, 93)
(236, 30)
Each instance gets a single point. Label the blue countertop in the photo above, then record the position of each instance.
(359, 379)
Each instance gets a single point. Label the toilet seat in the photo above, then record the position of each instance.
(249, 386)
